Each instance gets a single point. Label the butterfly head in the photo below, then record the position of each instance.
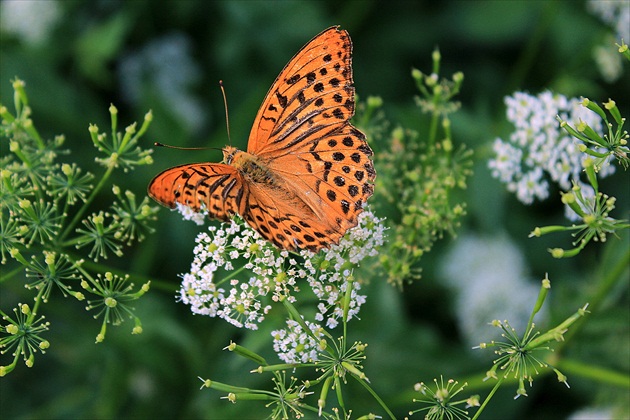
(229, 153)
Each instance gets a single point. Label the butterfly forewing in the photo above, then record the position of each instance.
(312, 96)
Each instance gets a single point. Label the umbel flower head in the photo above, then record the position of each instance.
(539, 151)
(242, 295)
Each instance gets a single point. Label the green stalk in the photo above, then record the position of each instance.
(611, 276)
(599, 374)
(87, 203)
(377, 398)
(488, 398)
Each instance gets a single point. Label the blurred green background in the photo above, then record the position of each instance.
(168, 56)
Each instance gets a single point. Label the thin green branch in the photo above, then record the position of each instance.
(86, 205)
(599, 374)
(376, 397)
(489, 397)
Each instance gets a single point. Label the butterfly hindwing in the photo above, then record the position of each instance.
(214, 187)
(334, 175)
(287, 221)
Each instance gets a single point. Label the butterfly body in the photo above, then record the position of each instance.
(251, 167)
(307, 171)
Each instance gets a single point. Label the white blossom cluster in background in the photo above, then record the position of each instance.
(166, 69)
(594, 413)
(539, 151)
(490, 280)
(609, 61)
(615, 13)
(242, 297)
(29, 20)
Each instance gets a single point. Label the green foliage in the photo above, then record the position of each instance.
(419, 175)
(43, 202)
(77, 57)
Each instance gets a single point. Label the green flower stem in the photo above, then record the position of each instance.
(346, 308)
(87, 203)
(542, 295)
(377, 398)
(248, 354)
(20, 98)
(593, 137)
(592, 152)
(86, 275)
(33, 133)
(593, 106)
(163, 285)
(590, 174)
(259, 396)
(321, 402)
(231, 275)
(66, 205)
(6, 115)
(599, 374)
(556, 333)
(19, 95)
(613, 273)
(433, 128)
(338, 390)
(293, 312)
(611, 106)
(129, 132)
(219, 386)
(95, 267)
(436, 57)
(309, 408)
(284, 366)
(295, 315)
(489, 397)
(7, 276)
(38, 300)
(148, 118)
(623, 50)
(113, 113)
(447, 144)
(7, 369)
(529, 54)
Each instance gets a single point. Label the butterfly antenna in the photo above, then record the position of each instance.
(168, 146)
(227, 118)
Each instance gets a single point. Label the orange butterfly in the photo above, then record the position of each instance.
(307, 171)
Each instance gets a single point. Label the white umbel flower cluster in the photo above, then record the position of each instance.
(539, 151)
(235, 273)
